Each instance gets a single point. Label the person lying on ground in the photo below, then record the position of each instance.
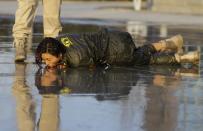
(110, 47)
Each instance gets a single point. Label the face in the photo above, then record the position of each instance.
(50, 60)
(48, 78)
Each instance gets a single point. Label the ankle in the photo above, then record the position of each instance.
(178, 57)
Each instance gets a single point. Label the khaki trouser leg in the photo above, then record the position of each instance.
(24, 18)
(51, 17)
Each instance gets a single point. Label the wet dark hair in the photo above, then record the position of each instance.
(51, 46)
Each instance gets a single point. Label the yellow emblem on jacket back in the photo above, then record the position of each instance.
(66, 41)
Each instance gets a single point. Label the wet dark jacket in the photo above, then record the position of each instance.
(112, 47)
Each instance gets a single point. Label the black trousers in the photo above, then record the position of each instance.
(147, 55)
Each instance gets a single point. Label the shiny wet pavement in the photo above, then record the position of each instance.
(151, 98)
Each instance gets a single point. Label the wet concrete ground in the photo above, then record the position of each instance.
(153, 98)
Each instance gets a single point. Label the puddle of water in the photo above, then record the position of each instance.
(132, 99)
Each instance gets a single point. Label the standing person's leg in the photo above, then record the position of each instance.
(22, 28)
(51, 17)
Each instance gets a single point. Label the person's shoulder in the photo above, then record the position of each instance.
(62, 36)
(66, 40)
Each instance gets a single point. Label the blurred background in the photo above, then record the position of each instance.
(173, 6)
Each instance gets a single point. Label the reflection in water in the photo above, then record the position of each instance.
(25, 106)
(49, 117)
(114, 84)
(111, 84)
(162, 106)
(162, 111)
(147, 96)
